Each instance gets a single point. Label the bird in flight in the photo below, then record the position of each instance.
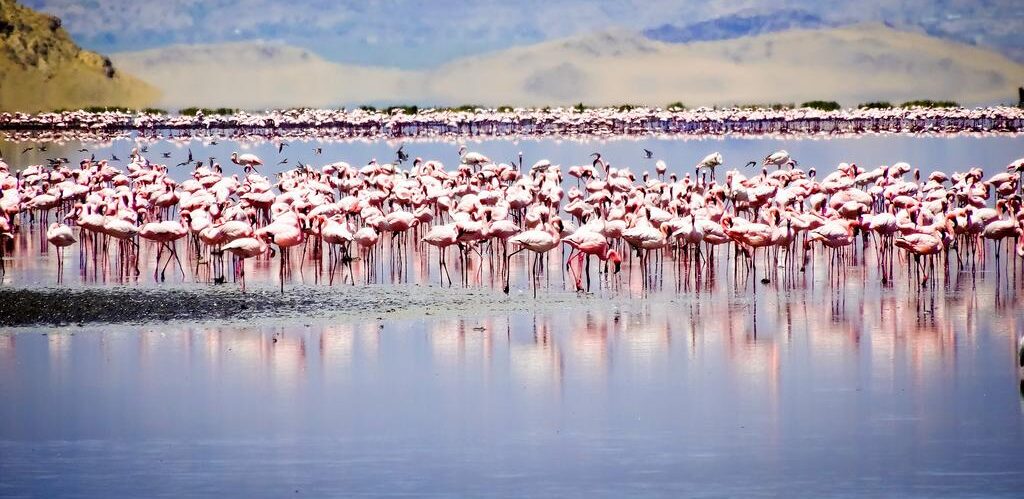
(167, 155)
(648, 153)
(83, 150)
(27, 149)
(318, 150)
(281, 146)
(283, 161)
(402, 155)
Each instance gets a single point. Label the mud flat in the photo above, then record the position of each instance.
(52, 306)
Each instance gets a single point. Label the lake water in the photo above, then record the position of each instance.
(806, 386)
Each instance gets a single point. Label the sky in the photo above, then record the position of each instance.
(415, 34)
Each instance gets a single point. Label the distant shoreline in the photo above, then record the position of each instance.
(566, 122)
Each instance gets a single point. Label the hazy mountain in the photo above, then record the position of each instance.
(416, 35)
(41, 68)
(259, 75)
(851, 65)
(736, 25)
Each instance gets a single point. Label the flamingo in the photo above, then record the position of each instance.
(60, 236)
(710, 162)
(244, 248)
(780, 158)
(539, 241)
(248, 160)
(587, 243)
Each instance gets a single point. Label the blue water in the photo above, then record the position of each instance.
(929, 153)
(864, 395)
(852, 390)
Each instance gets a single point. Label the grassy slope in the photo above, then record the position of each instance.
(41, 68)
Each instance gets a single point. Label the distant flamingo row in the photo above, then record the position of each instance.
(492, 211)
(548, 121)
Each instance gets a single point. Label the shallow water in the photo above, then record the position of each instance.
(858, 395)
(929, 153)
(814, 384)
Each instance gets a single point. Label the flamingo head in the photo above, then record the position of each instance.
(613, 256)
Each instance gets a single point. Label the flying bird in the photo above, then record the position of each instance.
(83, 150)
(402, 155)
(281, 146)
(27, 149)
(648, 153)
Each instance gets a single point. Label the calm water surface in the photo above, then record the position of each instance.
(806, 389)
(992, 153)
(831, 396)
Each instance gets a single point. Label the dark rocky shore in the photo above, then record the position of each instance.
(72, 306)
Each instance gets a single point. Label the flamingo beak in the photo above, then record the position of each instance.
(618, 267)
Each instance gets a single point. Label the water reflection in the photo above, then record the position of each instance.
(871, 380)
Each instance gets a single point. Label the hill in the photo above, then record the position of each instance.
(850, 64)
(41, 68)
(257, 75)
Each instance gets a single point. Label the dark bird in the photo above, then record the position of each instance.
(145, 149)
(113, 157)
(281, 146)
(213, 142)
(318, 150)
(648, 153)
(283, 161)
(42, 148)
(166, 155)
(189, 160)
(402, 155)
(27, 149)
(83, 150)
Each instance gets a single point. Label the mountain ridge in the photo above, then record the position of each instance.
(850, 64)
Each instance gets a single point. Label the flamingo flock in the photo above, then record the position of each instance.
(769, 213)
(560, 121)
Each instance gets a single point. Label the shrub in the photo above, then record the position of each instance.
(823, 105)
(676, 106)
(777, 106)
(192, 111)
(882, 104)
(403, 109)
(105, 109)
(930, 103)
